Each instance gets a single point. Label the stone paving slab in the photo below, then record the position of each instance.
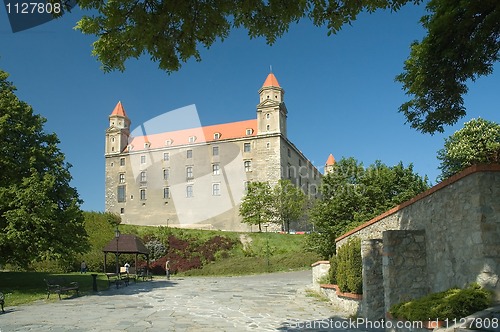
(267, 302)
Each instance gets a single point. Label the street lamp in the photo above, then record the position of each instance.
(117, 236)
(267, 247)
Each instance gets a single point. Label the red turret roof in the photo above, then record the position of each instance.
(271, 81)
(330, 161)
(119, 110)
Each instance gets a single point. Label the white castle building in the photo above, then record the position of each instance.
(197, 177)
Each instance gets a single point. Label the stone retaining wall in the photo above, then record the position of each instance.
(459, 220)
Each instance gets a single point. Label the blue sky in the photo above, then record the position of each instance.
(339, 90)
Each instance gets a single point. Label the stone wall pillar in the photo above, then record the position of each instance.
(404, 266)
(373, 280)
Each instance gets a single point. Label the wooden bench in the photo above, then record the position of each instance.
(132, 275)
(117, 279)
(144, 274)
(60, 285)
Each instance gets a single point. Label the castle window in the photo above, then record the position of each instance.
(189, 154)
(168, 142)
(143, 176)
(245, 186)
(268, 116)
(215, 150)
(122, 161)
(268, 127)
(111, 164)
(246, 147)
(166, 192)
(122, 210)
(215, 169)
(112, 139)
(248, 165)
(217, 135)
(121, 178)
(189, 191)
(289, 153)
(268, 145)
(121, 194)
(143, 194)
(112, 149)
(143, 159)
(147, 145)
(189, 172)
(192, 139)
(166, 174)
(166, 156)
(249, 131)
(216, 189)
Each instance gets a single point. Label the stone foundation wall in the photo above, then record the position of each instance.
(350, 304)
(319, 270)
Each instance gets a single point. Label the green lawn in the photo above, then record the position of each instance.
(26, 287)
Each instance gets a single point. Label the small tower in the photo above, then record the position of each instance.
(118, 132)
(271, 110)
(329, 164)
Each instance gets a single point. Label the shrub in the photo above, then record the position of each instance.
(349, 267)
(454, 303)
(156, 248)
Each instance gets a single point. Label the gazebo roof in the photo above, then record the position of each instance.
(127, 244)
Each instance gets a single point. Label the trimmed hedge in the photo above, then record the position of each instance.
(346, 267)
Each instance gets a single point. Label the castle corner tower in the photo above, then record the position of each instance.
(118, 131)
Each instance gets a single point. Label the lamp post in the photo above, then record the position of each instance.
(267, 247)
(117, 236)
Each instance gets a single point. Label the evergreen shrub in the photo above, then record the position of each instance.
(349, 268)
(454, 303)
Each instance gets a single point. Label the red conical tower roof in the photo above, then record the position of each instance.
(271, 81)
(119, 110)
(330, 161)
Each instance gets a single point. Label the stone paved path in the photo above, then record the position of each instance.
(269, 302)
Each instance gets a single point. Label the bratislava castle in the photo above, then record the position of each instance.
(197, 177)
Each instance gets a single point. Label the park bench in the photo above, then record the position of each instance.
(130, 274)
(60, 285)
(117, 279)
(144, 274)
(2, 301)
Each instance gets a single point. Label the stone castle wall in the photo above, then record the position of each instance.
(458, 221)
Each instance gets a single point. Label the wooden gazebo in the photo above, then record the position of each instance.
(126, 244)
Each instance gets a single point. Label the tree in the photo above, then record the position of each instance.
(462, 44)
(353, 194)
(462, 41)
(477, 142)
(255, 207)
(289, 203)
(40, 216)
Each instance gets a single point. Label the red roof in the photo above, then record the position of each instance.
(271, 81)
(330, 161)
(119, 110)
(200, 135)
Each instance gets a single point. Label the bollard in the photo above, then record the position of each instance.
(94, 282)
